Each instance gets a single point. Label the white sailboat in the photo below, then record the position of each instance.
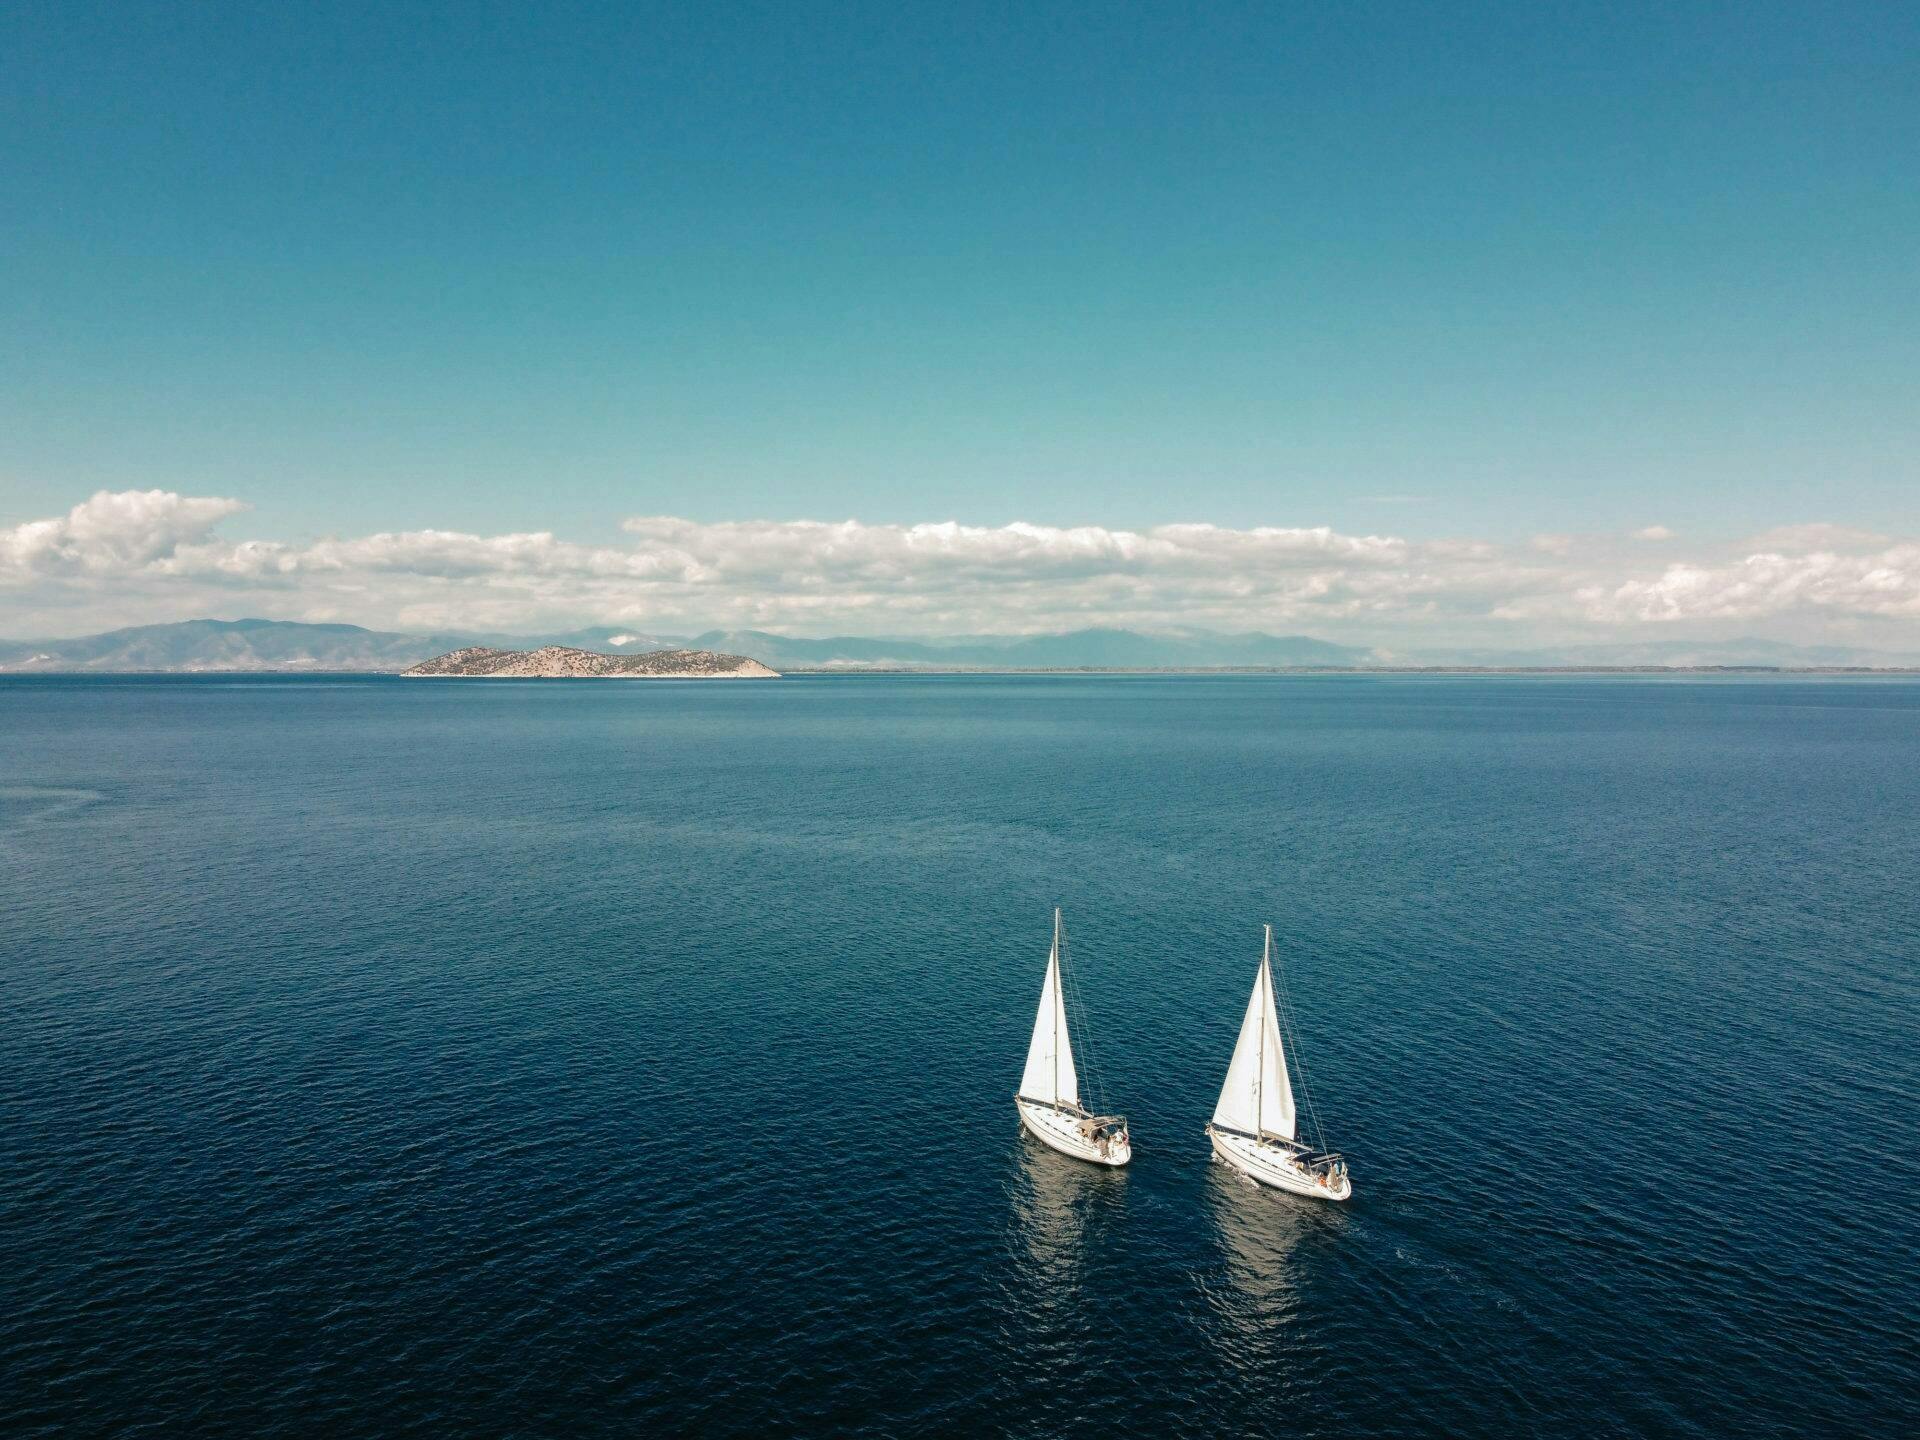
(1254, 1127)
(1049, 1096)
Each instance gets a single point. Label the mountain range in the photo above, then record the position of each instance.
(241, 645)
(284, 645)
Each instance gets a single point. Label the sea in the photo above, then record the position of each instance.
(565, 1058)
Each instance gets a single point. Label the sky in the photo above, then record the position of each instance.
(1393, 324)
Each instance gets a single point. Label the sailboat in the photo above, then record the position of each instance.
(1049, 1096)
(1255, 1128)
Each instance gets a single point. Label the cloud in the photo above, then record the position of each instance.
(810, 551)
(1653, 532)
(148, 555)
(1885, 584)
(113, 533)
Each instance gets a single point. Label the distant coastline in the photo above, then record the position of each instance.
(299, 647)
(1360, 670)
(928, 672)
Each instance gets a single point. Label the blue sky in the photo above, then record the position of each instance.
(1473, 274)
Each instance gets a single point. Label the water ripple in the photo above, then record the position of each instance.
(639, 1060)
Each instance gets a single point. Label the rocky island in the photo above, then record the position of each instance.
(561, 662)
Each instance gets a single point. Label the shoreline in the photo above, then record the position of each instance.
(1913, 670)
(1830, 671)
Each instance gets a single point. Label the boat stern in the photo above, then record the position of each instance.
(1110, 1138)
(1316, 1177)
(1098, 1139)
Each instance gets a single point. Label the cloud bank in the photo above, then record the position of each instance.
(142, 556)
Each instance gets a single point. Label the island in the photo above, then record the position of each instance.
(561, 662)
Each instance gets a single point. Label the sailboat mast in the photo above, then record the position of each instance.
(1266, 999)
(1059, 1002)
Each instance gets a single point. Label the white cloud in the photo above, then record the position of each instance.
(113, 532)
(813, 552)
(152, 555)
(1653, 532)
(1885, 584)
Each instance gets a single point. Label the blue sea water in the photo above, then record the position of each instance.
(549, 1058)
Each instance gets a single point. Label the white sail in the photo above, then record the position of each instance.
(1050, 1074)
(1257, 1098)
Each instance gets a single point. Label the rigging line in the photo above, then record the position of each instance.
(1077, 1019)
(1306, 1092)
(1306, 1081)
(1300, 1055)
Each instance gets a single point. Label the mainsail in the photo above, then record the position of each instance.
(1050, 1074)
(1257, 1098)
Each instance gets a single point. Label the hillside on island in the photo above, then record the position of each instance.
(562, 662)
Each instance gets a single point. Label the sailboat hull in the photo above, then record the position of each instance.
(1273, 1165)
(1060, 1129)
